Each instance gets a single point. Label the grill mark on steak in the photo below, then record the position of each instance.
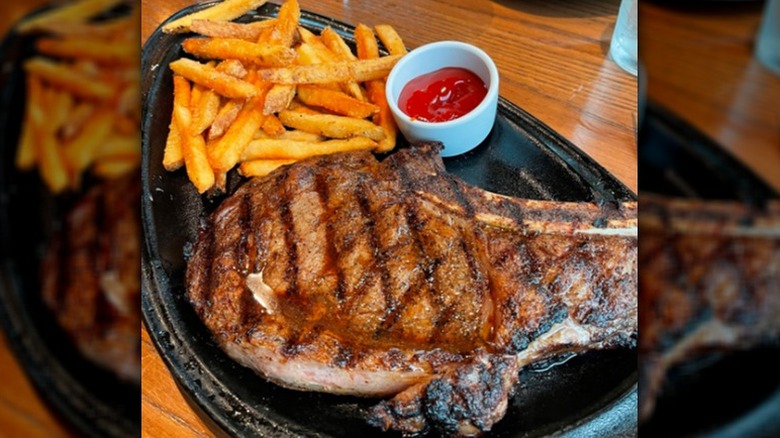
(323, 190)
(291, 271)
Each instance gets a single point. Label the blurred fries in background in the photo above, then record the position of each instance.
(264, 94)
(82, 108)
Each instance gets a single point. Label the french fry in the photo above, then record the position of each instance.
(245, 51)
(115, 167)
(233, 67)
(222, 83)
(298, 106)
(367, 47)
(124, 125)
(69, 79)
(225, 117)
(172, 156)
(225, 29)
(87, 47)
(278, 98)
(272, 125)
(226, 151)
(384, 118)
(225, 11)
(325, 54)
(390, 39)
(119, 147)
(52, 164)
(285, 29)
(331, 126)
(193, 147)
(264, 149)
(26, 152)
(80, 150)
(336, 44)
(336, 101)
(258, 168)
(73, 13)
(108, 29)
(361, 70)
(291, 135)
(205, 111)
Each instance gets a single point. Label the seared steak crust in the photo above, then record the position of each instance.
(346, 275)
(91, 276)
(710, 279)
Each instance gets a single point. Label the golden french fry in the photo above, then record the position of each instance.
(264, 149)
(278, 98)
(80, 150)
(128, 100)
(300, 107)
(286, 26)
(69, 78)
(361, 70)
(193, 147)
(336, 101)
(26, 152)
(105, 29)
(384, 118)
(205, 111)
(222, 83)
(317, 46)
(331, 126)
(367, 47)
(307, 55)
(73, 13)
(272, 125)
(119, 147)
(195, 91)
(234, 48)
(124, 125)
(52, 164)
(172, 156)
(225, 11)
(390, 39)
(76, 119)
(261, 167)
(88, 47)
(225, 152)
(336, 44)
(227, 29)
(233, 67)
(291, 135)
(225, 117)
(116, 167)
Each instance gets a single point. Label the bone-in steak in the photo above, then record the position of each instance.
(710, 280)
(347, 275)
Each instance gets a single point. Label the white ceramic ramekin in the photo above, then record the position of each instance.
(459, 135)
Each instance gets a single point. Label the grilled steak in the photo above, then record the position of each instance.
(347, 275)
(710, 279)
(91, 276)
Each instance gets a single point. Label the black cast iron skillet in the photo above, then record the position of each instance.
(592, 394)
(90, 399)
(719, 395)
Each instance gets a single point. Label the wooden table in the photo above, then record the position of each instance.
(701, 66)
(552, 61)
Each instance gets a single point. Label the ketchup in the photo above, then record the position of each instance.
(442, 95)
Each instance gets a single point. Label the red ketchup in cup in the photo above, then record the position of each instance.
(442, 95)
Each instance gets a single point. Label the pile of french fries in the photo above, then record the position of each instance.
(264, 94)
(82, 95)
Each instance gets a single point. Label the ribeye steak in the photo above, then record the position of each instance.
(348, 275)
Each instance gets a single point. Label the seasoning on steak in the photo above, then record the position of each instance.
(710, 280)
(347, 275)
(91, 276)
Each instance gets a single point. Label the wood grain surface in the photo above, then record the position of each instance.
(552, 62)
(700, 64)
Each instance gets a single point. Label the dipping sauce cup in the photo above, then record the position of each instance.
(463, 133)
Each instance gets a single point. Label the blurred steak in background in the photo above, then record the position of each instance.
(709, 270)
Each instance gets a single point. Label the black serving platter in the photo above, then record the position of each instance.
(91, 400)
(718, 395)
(593, 394)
